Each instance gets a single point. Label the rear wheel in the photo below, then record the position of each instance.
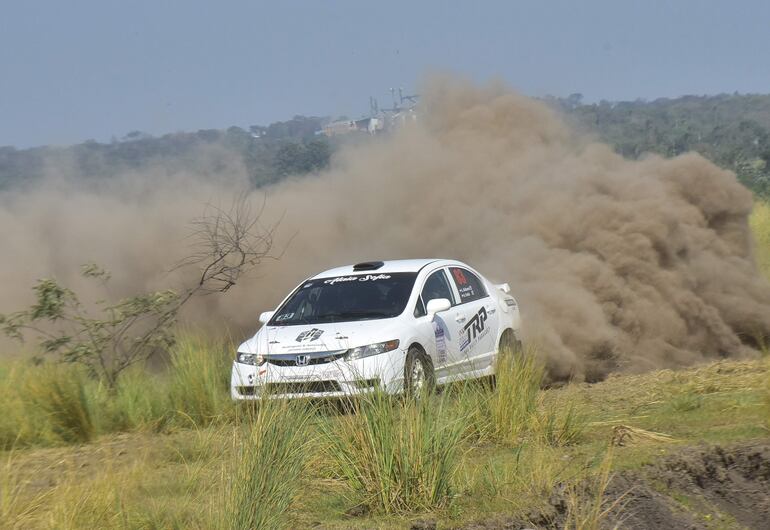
(509, 345)
(418, 373)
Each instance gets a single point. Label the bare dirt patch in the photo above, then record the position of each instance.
(734, 479)
(726, 484)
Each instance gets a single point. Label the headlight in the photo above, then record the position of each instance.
(251, 358)
(371, 349)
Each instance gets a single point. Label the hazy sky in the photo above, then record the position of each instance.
(75, 70)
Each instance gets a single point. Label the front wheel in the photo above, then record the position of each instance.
(418, 373)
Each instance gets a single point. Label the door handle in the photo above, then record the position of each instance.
(491, 311)
(460, 319)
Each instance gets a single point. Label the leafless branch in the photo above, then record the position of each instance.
(228, 243)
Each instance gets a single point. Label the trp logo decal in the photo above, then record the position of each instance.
(309, 335)
(474, 329)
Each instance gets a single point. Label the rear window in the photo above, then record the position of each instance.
(468, 285)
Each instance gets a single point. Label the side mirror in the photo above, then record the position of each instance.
(437, 305)
(266, 316)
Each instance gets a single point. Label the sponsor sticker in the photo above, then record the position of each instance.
(466, 292)
(309, 335)
(441, 352)
(305, 346)
(459, 276)
(474, 330)
(464, 287)
(364, 278)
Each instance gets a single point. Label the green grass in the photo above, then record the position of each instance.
(506, 414)
(169, 449)
(44, 405)
(61, 396)
(52, 404)
(397, 455)
(760, 226)
(271, 450)
(200, 378)
(293, 465)
(140, 402)
(559, 424)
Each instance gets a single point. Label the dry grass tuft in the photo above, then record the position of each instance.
(558, 424)
(397, 455)
(625, 434)
(270, 453)
(587, 506)
(17, 505)
(506, 412)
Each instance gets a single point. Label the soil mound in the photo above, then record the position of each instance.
(735, 479)
(721, 480)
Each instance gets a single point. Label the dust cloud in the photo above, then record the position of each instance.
(618, 265)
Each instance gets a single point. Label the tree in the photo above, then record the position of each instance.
(228, 244)
(296, 159)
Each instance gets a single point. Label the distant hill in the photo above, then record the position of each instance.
(269, 153)
(731, 130)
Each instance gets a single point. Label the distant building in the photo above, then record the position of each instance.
(365, 125)
(403, 112)
(257, 131)
(336, 128)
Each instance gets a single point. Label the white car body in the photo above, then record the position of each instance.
(312, 360)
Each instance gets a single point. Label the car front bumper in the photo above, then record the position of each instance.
(335, 379)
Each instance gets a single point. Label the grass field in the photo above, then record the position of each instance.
(294, 466)
(760, 225)
(172, 451)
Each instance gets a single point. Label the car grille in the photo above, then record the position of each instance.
(367, 383)
(302, 387)
(312, 359)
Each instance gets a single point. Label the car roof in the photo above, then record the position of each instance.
(398, 265)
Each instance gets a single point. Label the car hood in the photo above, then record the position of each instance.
(275, 340)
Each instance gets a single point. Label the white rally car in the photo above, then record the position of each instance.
(395, 325)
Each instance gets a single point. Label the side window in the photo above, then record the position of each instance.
(437, 286)
(468, 285)
(419, 309)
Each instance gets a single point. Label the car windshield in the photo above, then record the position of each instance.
(346, 298)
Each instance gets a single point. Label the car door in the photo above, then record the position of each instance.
(479, 330)
(446, 325)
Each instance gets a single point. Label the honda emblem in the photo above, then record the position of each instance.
(302, 360)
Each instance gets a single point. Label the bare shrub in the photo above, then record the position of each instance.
(108, 337)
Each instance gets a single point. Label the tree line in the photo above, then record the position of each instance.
(732, 130)
(269, 153)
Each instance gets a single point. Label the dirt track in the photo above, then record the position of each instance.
(733, 480)
(722, 484)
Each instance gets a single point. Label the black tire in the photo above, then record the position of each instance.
(509, 345)
(416, 364)
(508, 348)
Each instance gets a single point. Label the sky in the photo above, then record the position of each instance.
(78, 70)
